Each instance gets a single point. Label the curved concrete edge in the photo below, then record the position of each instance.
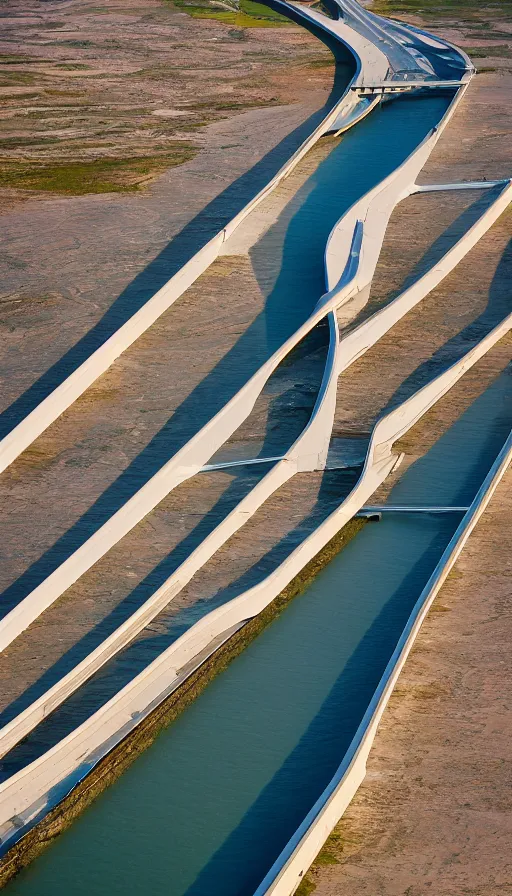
(308, 452)
(26, 796)
(184, 464)
(394, 425)
(29, 794)
(321, 403)
(190, 459)
(352, 270)
(363, 337)
(287, 872)
(305, 446)
(22, 435)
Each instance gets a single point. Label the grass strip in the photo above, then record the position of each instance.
(77, 178)
(250, 14)
(121, 757)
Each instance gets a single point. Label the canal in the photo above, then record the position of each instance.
(207, 809)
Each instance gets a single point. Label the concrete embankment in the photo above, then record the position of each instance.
(430, 814)
(121, 757)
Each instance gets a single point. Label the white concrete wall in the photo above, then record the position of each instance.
(348, 272)
(375, 209)
(287, 873)
(32, 791)
(351, 258)
(16, 441)
(310, 450)
(356, 343)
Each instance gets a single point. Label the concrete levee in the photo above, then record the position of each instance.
(285, 876)
(100, 360)
(17, 729)
(352, 255)
(305, 454)
(30, 793)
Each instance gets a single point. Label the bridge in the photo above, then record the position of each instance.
(392, 86)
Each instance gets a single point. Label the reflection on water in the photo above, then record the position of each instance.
(207, 809)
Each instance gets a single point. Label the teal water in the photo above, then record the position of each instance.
(207, 809)
(288, 262)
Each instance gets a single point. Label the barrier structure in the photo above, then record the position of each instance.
(352, 254)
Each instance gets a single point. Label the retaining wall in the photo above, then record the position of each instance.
(12, 445)
(286, 874)
(351, 257)
(310, 449)
(30, 793)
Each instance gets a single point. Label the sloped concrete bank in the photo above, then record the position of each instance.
(288, 871)
(109, 767)
(351, 258)
(356, 246)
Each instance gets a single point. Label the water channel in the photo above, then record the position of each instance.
(207, 809)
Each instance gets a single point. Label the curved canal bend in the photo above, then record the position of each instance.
(210, 806)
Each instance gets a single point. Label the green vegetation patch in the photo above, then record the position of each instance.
(76, 178)
(72, 66)
(463, 10)
(112, 766)
(216, 105)
(307, 887)
(330, 854)
(16, 79)
(19, 59)
(20, 142)
(249, 14)
(503, 51)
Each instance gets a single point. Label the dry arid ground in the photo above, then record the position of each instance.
(134, 130)
(434, 814)
(101, 98)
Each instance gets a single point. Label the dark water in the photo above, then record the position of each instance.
(288, 262)
(207, 809)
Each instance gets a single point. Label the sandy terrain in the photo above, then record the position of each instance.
(434, 813)
(104, 97)
(75, 263)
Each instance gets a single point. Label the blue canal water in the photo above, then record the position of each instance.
(288, 263)
(207, 809)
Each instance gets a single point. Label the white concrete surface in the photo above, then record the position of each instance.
(287, 873)
(12, 445)
(351, 258)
